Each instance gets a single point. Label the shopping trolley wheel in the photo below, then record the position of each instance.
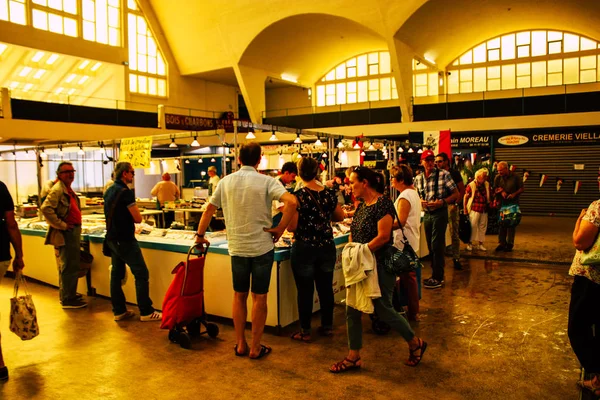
(380, 327)
(185, 340)
(174, 336)
(193, 328)
(212, 330)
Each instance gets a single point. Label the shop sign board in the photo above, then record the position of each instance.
(546, 139)
(470, 141)
(136, 151)
(190, 123)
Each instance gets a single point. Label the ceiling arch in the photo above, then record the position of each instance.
(307, 46)
(443, 30)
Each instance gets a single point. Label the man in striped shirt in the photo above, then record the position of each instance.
(436, 189)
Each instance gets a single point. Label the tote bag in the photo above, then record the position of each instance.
(23, 316)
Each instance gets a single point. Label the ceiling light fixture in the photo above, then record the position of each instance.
(362, 153)
(52, 59)
(81, 152)
(356, 146)
(250, 136)
(411, 150)
(195, 142)
(71, 91)
(37, 57)
(83, 79)
(200, 161)
(172, 144)
(297, 140)
(84, 64)
(59, 90)
(273, 137)
(39, 73)
(400, 149)
(70, 78)
(96, 66)
(420, 151)
(187, 161)
(227, 159)
(213, 160)
(340, 144)
(324, 155)
(289, 78)
(371, 147)
(318, 142)
(27, 87)
(60, 152)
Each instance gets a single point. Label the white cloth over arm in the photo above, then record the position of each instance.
(360, 274)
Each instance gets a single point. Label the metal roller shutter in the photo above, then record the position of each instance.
(555, 162)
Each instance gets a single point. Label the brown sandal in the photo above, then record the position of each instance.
(345, 365)
(592, 385)
(414, 359)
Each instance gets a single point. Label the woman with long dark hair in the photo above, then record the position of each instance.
(372, 225)
(313, 251)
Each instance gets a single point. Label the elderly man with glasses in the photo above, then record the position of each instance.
(63, 213)
(121, 214)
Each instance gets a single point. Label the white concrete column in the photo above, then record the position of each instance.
(252, 85)
(6, 106)
(401, 57)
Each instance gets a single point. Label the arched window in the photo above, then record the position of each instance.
(425, 80)
(367, 77)
(525, 59)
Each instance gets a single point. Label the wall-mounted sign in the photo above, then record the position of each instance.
(136, 151)
(550, 139)
(578, 167)
(513, 140)
(190, 123)
(470, 141)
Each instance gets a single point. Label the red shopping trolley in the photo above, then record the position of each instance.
(183, 306)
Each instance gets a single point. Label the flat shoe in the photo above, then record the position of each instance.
(264, 350)
(243, 354)
(301, 337)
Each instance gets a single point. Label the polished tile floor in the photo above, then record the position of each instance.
(497, 330)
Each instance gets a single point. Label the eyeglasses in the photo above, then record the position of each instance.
(69, 171)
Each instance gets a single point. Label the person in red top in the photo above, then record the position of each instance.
(63, 214)
(476, 201)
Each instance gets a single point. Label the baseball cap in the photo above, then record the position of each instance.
(426, 154)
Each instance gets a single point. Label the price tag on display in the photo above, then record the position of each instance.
(136, 151)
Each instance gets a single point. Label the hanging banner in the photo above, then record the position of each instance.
(136, 151)
(548, 139)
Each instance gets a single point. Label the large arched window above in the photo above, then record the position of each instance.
(525, 59)
(367, 77)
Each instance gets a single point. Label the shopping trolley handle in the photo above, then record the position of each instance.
(198, 249)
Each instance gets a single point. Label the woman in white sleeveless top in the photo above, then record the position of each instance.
(408, 207)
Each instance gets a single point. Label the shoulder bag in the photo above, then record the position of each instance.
(398, 261)
(592, 255)
(23, 316)
(105, 249)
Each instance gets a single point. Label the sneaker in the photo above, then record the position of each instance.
(3, 374)
(501, 247)
(469, 247)
(482, 248)
(77, 303)
(126, 315)
(433, 284)
(156, 316)
(457, 265)
(79, 296)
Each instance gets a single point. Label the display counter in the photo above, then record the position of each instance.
(162, 255)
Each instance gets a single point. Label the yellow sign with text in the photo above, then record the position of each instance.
(136, 151)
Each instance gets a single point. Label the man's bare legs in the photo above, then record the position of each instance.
(240, 315)
(259, 318)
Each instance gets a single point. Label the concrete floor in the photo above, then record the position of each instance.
(497, 330)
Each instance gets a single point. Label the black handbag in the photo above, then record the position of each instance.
(105, 249)
(398, 261)
(464, 228)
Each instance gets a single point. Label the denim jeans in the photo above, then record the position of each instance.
(384, 309)
(313, 266)
(68, 258)
(258, 269)
(435, 232)
(129, 252)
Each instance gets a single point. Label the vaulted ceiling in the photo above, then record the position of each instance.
(307, 38)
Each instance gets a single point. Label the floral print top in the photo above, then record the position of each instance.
(364, 224)
(591, 272)
(314, 220)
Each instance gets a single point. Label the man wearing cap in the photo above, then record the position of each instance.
(436, 189)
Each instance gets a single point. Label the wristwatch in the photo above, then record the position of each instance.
(199, 235)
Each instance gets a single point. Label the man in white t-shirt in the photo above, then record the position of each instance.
(245, 197)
